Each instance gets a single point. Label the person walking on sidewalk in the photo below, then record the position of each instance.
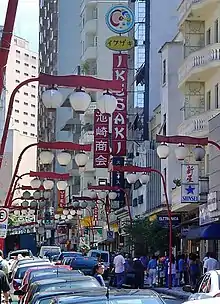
(210, 264)
(119, 264)
(152, 271)
(173, 270)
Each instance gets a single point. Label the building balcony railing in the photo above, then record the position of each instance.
(192, 9)
(199, 65)
(90, 53)
(90, 26)
(192, 111)
(87, 137)
(197, 125)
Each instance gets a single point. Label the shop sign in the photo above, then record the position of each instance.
(120, 19)
(61, 197)
(189, 183)
(96, 213)
(101, 140)
(164, 220)
(118, 180)
(205, 216)
(119, 116)
(119, 43)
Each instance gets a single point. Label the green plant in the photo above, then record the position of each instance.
(177, 182)
(85, 67)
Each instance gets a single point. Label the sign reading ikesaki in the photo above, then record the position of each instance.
(119, 43)
(61, 194)
(119, 117)
(101, 140)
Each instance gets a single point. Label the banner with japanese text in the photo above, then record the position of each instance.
(119, 117)
(101, 140)
(61, 197)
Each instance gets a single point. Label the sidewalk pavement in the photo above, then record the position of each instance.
(175, 292)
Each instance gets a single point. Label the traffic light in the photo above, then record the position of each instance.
(47, 218)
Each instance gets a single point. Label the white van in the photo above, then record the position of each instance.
(50, 249)
(105, 259)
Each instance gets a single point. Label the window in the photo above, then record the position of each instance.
(26, 74)
(33, 57)
(33, 67)
(33, 96)
(16, 111)
(16, 100)
(26, 55)
(216, 96)
(32, 105)
(26, 64)
(208, 100)
(164, 76)
(18, 61)
(32, 115)
(26, 103)
(33, 125)
(17, 71)
(25, 93)
(208, 36)
(33, 86)
(16, 120)
(25, 133)
(216, 31)
(17, 81)
(32, 134)
(25, 113)
(25, 123)
(18, 52)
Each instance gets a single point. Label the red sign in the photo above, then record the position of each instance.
(101, 140)
(119, 117)
(96, 213)
(61, 194)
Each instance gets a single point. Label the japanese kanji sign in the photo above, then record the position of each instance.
(61, 195)
(118, 180)
(119, 117)
(119, 43)
(101, 140)
(189, 183)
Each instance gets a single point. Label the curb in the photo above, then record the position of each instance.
(172, 293)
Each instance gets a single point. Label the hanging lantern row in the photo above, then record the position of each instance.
(68, 215)
(83, 205)
(181, 152)
(48, 184)
(37, 195)
(79, 100)
(102, 195)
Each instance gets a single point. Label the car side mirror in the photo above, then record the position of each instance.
(188, 288)
(19, 292)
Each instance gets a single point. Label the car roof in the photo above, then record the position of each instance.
(20, 251)
(62, 280)
(31, 261)
(203, 301)
(36, 265)
(58, 273)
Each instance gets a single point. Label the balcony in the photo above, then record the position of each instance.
(200, 65)
(196, 10)
(197, 125)
(90, 26)
(90, 53)
(87, 137)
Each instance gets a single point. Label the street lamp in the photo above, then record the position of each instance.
(79, 100)
(64, 158)
(131, 178)
(62, 185)
(46, 157)
(48, 184)
(163, 151)
(107, 103)
(35, 183)
(52, 98)
(144, 178)
(112, 195)
(102, 195)
(81, 159)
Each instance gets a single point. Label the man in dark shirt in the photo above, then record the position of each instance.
(4, 287)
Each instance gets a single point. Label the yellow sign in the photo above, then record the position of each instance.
(87, 221)
(119, 43)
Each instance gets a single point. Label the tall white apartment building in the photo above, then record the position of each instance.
(22, 64)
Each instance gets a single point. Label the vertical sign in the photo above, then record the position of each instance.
(101, 140)
(189, 183)
(118, 180)
(61, 195)
(96, 214)
(119, 117)
(4, 213)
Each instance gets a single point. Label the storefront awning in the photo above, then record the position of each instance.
(208, 232)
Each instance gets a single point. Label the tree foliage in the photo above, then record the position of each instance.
(148, 237)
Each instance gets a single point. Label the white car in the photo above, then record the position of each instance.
(207, 286)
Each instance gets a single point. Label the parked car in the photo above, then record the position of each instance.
(49, 249)
(85, 264)
(203, 301)
(56, 284)
(66, 255)
(207, 286)
(27, 261)
(23, 252)
(104, 258)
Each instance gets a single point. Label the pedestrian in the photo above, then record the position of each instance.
(173, 270)
(152, 271)
(119, 264)
(139, 273)
(181, 268)
(98, 271)
(194, 270)
(4, 287)
(3, 264)
(211, 263)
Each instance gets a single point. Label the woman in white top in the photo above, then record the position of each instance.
(173, 270)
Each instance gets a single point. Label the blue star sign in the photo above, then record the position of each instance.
(190, 190)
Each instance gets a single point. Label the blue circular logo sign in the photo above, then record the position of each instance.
(120, 19)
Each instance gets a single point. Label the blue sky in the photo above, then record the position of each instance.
(26, 24)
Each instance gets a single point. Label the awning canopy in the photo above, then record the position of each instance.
(208, 232)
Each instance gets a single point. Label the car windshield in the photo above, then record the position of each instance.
(104, 256)
(146, 300)
(68, 285)
(14, 254)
